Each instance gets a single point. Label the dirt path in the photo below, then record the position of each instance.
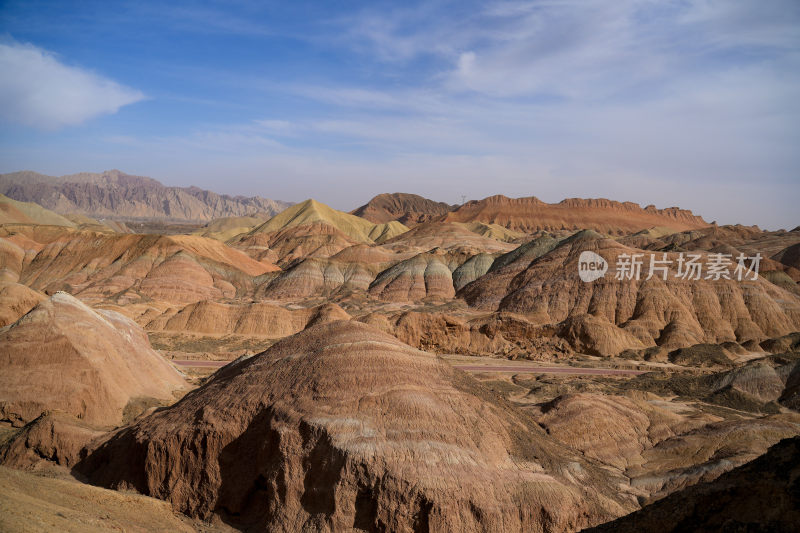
(520, 369)
(199, 363)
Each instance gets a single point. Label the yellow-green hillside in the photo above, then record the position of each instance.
(656, 232)
(383, 232)
(223, 229)
(12, 211)
(493, 231)
(311, 211)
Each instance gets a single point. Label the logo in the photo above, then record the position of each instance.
(591, 266)
(692, 266)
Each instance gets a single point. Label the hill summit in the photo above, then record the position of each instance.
(342, 427)
(408, 209)
(311, 211)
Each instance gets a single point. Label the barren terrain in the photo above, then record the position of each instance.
(408, 366)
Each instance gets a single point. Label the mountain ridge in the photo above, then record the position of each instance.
(530, 214)
(408, 209)
(309, 211)
(117, 195)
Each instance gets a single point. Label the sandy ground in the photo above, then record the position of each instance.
(53, 501)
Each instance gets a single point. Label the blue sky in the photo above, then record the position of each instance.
(694, 103)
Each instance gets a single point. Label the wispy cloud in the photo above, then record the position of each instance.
(578, 49)
(38, 90)
(678, 102)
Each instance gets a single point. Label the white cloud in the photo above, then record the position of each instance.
(37, 90)
(688, 102)
(583, 49)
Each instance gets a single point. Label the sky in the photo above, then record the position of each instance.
(690, 103)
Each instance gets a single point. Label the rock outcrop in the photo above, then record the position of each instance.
(789, 256)
(294, 243)
(422, 276)
(493, 231)
(446, 236)
(124, 267)
(609, 314)
(471, 269)
(54, 436)
(614, 429)
(408, 209)
(778, 249)
(310, 211)
(318, 277)
(257, 318)
(495, 334)
(89, 364)
(343, 427)
(16, 300)
(758, 496)
(606, 216)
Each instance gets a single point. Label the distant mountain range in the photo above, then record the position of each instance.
(116, 195)
(119, 196)
(530, 214)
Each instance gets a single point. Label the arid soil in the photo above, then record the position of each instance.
(408, 366)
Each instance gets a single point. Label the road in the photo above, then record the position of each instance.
(514, 369)
(199, 363)
(520, 369)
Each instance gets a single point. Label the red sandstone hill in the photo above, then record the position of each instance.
(408, 209)
(125, 267)
(256, 318)
(90, 364)
(342, 427)
(606, 216)
(609, 315)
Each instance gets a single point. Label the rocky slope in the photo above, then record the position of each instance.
(14, 212)
(609, 315)
(226, 228)
(257, 318)
(318, 277)
(127, 268)
(16, 300)
(89, 364)
(778, 249)
(495, 334)
(493, 231)
(761, 495)
(287, 245)
(344, 427)
(114, 194)
(789, 256)
(408, 209)
(310, 211)
(661, 447)
(448, 236)
(422, 276)
(606, 216)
